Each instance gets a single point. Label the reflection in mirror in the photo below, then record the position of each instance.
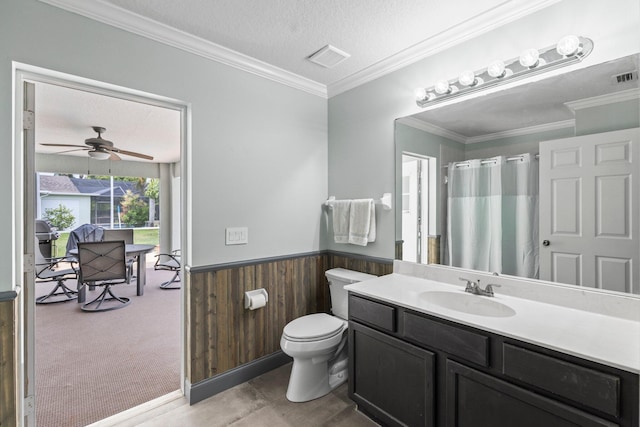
(534, 180)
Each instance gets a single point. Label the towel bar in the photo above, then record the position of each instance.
(385, 201)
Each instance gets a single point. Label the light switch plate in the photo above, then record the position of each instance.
(236, 235)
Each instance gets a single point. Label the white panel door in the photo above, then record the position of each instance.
(589, 210)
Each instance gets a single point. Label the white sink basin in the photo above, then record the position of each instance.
(467, 303)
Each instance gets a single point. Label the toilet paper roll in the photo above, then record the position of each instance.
(257, 301)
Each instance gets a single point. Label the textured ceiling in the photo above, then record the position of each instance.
(284, 33)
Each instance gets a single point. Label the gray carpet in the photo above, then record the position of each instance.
(90, 366)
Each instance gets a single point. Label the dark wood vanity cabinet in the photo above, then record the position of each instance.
(410, 369)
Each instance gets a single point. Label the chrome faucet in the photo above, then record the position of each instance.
(474, 288)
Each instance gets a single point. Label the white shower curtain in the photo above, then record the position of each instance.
(492, 222)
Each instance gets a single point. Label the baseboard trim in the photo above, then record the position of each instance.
(214, 385)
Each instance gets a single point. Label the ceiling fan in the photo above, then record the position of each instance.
(99, 148)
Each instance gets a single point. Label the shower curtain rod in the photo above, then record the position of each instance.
(490, 160)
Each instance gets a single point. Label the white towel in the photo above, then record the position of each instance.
(341, 210)
(362, 222)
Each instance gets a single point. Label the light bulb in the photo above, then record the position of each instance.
(421, 94)
(530, 58)
(568, 45)
(442, 87)
(496, 69)
(468, 78)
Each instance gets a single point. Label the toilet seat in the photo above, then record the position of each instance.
(314, 327)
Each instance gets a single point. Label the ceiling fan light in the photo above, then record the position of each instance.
(99, 155)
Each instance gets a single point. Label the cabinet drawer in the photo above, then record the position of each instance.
(373, 313)
(470, 346)
(595, 389)
(476, 399)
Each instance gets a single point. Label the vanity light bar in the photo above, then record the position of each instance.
(569, 50)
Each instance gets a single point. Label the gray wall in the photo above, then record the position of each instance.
(605, 118)
(259, 149)
(361, 131)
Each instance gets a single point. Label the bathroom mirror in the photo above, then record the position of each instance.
(511, 123)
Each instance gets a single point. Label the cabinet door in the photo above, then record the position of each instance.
(390, 380)
(475, 399)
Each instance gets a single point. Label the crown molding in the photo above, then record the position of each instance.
(433, 129)
(610, 98)
(437, 130)
(115, 16)
(500, 15)
(522, 131)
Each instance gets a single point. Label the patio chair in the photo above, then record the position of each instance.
(103, 264)
(169, 262)
(84, 233)
(51, 270)
(125, 234)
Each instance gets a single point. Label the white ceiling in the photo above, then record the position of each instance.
(284, 33)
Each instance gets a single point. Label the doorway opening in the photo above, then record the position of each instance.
(63, 349)
(418, 206)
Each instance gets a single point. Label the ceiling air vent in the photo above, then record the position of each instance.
(629, 76)
(328, 56)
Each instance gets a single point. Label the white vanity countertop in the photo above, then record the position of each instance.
(604, 339)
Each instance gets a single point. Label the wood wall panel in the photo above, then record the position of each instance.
(224, 335)
(7, 364)
(359, 263)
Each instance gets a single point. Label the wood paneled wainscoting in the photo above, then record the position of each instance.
(229, 344)
(8, 362)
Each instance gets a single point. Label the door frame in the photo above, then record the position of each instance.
(426, 200)
(23, 257)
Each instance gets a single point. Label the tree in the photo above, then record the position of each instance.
(152, 191)
(135, 211)
(60, 217)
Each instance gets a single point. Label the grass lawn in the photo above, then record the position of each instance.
(142, 236)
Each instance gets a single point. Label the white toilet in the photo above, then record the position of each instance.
(318, 342)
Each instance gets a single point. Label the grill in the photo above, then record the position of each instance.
(45, 234)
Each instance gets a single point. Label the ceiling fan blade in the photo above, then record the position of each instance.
(131, 153)
(64, 145)
(114, 156)
(75, 149)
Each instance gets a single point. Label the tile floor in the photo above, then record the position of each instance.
(259, 402)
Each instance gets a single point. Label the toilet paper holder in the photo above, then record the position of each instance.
(249, 295)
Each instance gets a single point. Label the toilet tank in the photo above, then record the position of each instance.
(338, 278)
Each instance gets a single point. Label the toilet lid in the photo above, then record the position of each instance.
(314, 327)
